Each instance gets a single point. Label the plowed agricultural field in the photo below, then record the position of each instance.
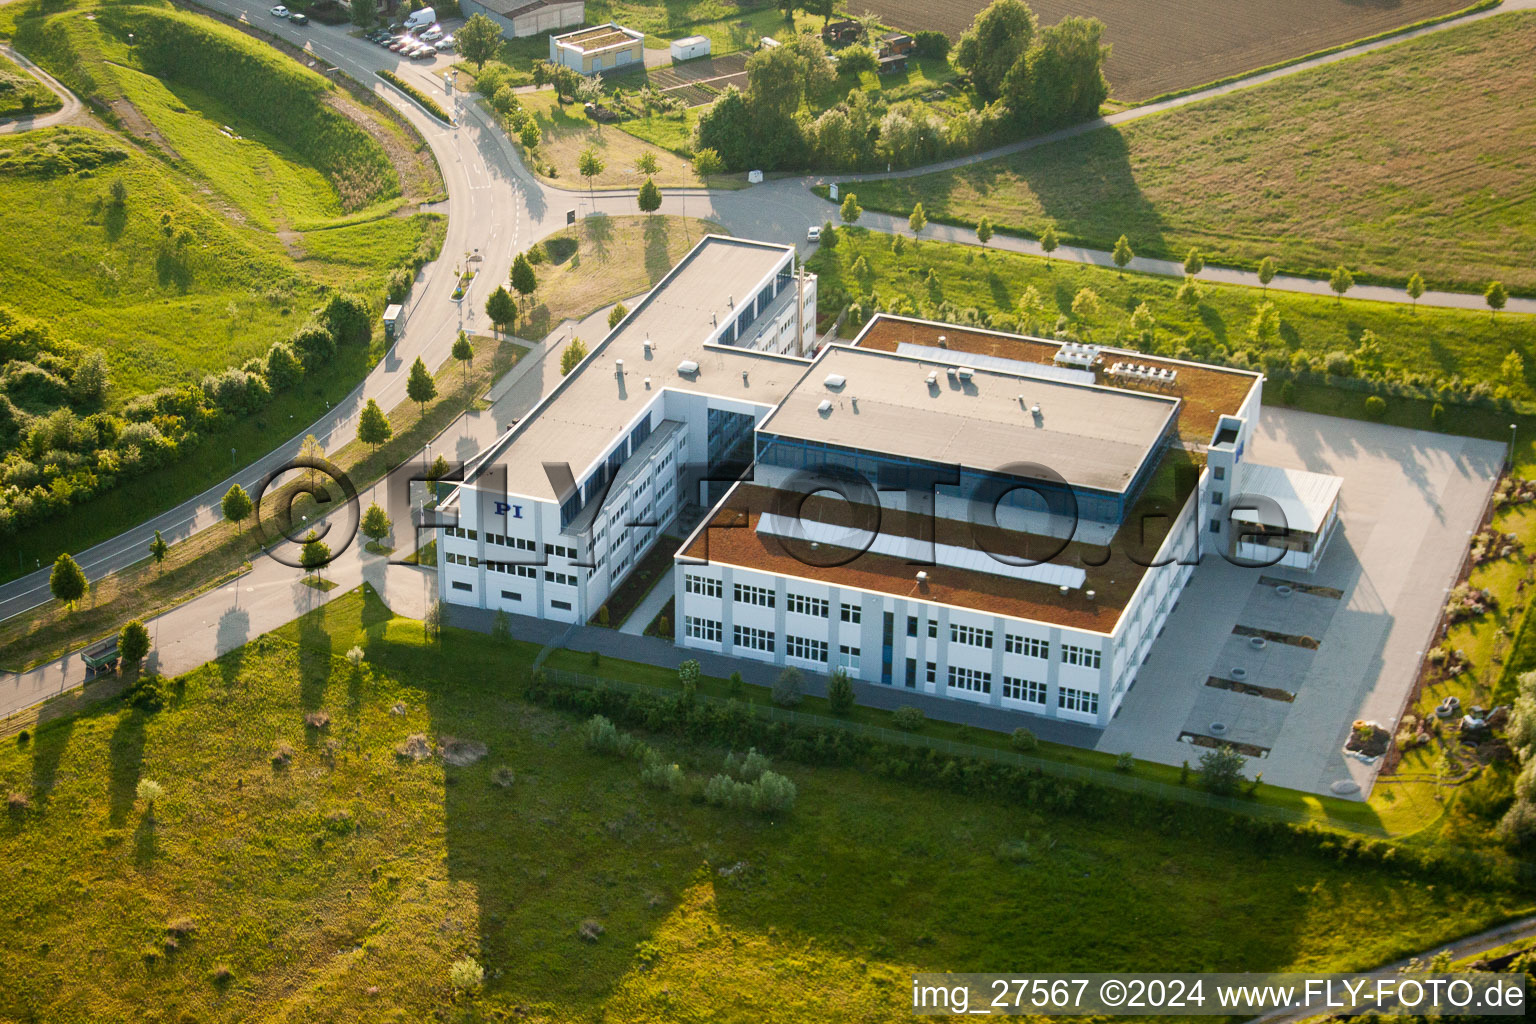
(1166, 45)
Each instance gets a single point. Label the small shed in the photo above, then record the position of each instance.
(840, 33)
(893, 63)
(602, 48)
(394, 321)
(688, 48)
(896, 42)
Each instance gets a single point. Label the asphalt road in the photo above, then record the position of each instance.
(496, 207)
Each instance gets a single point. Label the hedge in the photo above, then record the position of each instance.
(426, 102)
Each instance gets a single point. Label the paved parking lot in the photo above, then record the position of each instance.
(1345, 643)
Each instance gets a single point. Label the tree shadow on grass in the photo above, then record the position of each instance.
(234, 631)
(127, 753)
(47, 750)
(315, 660)
(657, 259)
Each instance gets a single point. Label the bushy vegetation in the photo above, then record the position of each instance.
(428, 104)
(798, 111)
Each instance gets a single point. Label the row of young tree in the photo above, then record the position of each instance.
(1025, 80)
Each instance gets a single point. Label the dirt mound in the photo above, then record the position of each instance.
(461, 752)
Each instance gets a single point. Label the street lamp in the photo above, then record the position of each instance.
(1512, 427)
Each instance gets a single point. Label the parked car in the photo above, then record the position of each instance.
(424, 52)
(299, 18)
(813, 235)
(432, 34)
(400, 43)
(280, 11)
(445, 44)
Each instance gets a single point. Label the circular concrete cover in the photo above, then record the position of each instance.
(1239, 673)
(1257, 642)
(1344, 787)
(1218, 728)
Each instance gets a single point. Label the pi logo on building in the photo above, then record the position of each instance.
(502, 508)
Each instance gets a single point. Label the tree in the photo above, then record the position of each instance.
(1123, 254)
(706, 162)
(617, 314)
(649, 198)
(1266, 272)
(984, 231)
(88, 384)
(788, 688)
(529, 134)
(840, 693)
(315, 553)
(311, 448)
(1341, 281)
(850, 211)
(1085, 304)
(648, 165)
(589, 89)
(158, 547)
(1265, 327)
(1415, 289)
(479, 40)
(1031, 309)
(373, 426)
(67, 582)
(918, 220)
(590, 165)
(1000, 34)
(419, 385)
(501, 308)
(1142, 324)
(1048, 242)
(523, 278)
(364, 13)
(133, 643)
(1496, 297)
(375, 524)
(236, 506)
(1221, 770)
(1193, 262)
(464, 352)
(1512, 370)
(571, 355)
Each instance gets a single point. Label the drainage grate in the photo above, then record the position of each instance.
(1310, 643)
(1200, 739)
(1238, 686)
(1302, 588)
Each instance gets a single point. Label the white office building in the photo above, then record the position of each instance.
(958, 512)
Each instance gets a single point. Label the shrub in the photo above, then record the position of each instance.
(688, 673)
(466, 975)
(282, 754)
(840, 693)
(1376, 407)
(773, 794)
(1221, 770)
(355, 656)
(348, 318)
(17, 802)
(1125, 761)
(857, 58)
(788, 688)
(150, 693)
(908, 718)
(427, 102)
(283, 368)
(930, 43)
(724, 791)
(658, 775)
(1023, 740)
(736, 687)
(1339, 364)
(1517, 829)
(748, 767)
(314, 345)
(1012, 851)
(149, 791)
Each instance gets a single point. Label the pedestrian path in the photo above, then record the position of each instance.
(651, 606)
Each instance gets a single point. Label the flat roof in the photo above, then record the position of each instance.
(1208, 392)
(578, 421)
(730, 535)
(1094, 437)
(1302, 499)
(591, 40)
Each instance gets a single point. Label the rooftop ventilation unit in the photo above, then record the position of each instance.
(687, 367)
(835, 381)
(825, 406)
(618, 367)
(1065, 590)
(1035, 409)
(966, 373)
(744, 382)
(647, 345)
(943, 342)
(933, 377)
(951, 371)
(922, 576)
(1089, 595)
(647, 383)
(730, 301)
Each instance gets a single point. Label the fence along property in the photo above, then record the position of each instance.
(1060, 769)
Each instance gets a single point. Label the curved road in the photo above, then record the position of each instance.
(496, 206)
(70, 109)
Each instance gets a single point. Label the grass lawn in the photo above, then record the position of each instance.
(1437, 342)
(21, 94)
(272, 221)
(567, 132)
(341, 875)
(1406, 159)
(612, 258)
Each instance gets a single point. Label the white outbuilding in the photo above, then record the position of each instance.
(689, 47)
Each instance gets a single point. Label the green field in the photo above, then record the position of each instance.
(21, 94)
(1436, 344)
(348, 880)
(1411, 158)
(250, 188)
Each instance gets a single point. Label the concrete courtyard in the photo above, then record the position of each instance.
(1409, 502)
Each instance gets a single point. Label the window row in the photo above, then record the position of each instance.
(1027, 646)
(708, 630)
(972, 679)
(753, 639)
(460, 533)
(800, 604)
(704, 586)
(806, 649)
(1068, 699)
(1026, 690)
(747, 594)
(1087, 657)
(971, 636)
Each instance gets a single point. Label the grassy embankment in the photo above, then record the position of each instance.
(1406, 159)
(289, 186)
(346, 876)
(21, 95)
